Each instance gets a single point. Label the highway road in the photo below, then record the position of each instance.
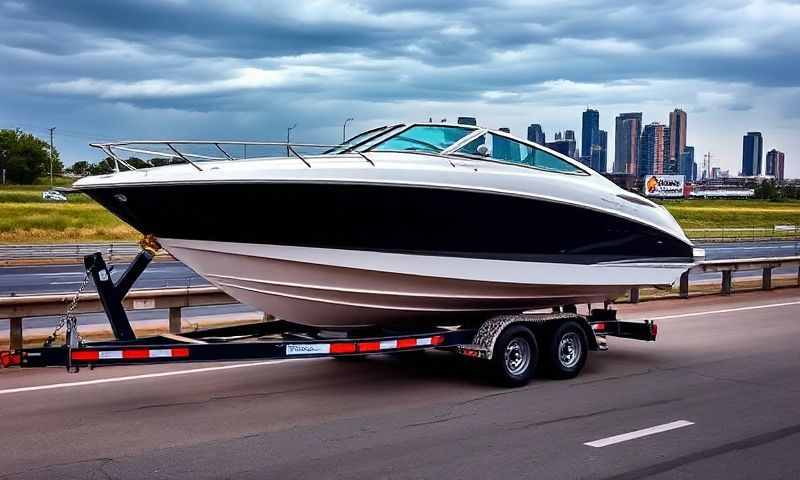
(715, 397)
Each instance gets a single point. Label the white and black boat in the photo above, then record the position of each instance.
(405, 223)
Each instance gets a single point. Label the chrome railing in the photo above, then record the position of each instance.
(113, 149)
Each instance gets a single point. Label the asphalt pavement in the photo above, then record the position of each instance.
(715, 397)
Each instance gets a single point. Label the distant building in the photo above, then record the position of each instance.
(599, 156)
(590, 126)
(670, 166)
(536, 134)
(557, 136)
(505, 129)
(564, 147)
(752, 152)
(686, 164)
(628, 129)
(467, 121)
(775, 160)
(677, 134)
(651, 150)
(569, 135)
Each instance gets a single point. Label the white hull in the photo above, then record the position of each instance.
(346, 288)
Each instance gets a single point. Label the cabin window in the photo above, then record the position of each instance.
(508, 150)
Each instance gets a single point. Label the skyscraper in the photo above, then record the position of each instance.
(467, 121)
(670, 165)
(569, 134)
(752, 152)
(589, 128)
(677, 134)
(598, 156)
(686, 164)
(628, 129)
(651, 150)
(536, 134)
(775, 162)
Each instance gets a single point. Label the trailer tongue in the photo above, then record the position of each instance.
(516, 345)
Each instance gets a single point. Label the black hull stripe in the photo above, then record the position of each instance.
(388, 218)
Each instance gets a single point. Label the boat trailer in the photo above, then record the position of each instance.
(516, 345)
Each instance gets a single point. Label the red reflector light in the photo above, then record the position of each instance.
(599, 326)
(369, 346)
(407, 343)
(437, 340)
(8, 359)
(135, 354)
(343, 347)
(654, 329)
(85, 355)
(180, 352)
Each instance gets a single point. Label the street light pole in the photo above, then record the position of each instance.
(344, 129)
(288, 137)
(51, 156)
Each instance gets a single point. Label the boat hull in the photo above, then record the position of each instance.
(344, 288)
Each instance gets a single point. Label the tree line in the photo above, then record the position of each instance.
(24, 157)
(772, 190)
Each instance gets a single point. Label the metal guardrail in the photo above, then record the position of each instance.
(727, 267)
(174, 299)
(744, 234)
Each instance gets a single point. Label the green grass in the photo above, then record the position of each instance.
(27, 218)
(697, 213)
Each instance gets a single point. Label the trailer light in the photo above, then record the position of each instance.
(343, 347)
(437, 339)
(654, 329)
(599, 327)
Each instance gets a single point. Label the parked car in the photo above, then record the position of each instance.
(54, 196)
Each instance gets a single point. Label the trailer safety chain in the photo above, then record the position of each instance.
(69, 320)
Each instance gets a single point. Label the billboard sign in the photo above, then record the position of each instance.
(663, 186)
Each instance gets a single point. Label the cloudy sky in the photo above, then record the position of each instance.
(102, 70)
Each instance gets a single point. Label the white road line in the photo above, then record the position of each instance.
(726, 310)
(65, 283)
(604, 442)
(141, 377)
(57, 274)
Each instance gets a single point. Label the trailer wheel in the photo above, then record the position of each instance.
(515, 356)
(566, 351)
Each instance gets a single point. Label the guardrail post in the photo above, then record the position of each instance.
(684, 286)
(798, 276)
(766, 279)
(727, 282)
(635, 295)
(15, 340)
(174, 319)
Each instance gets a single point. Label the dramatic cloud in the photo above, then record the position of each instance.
(232, 68)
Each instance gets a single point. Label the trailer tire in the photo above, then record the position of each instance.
(515, 356)
(566, 351)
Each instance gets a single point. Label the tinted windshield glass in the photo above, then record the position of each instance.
(508, 150)
(424, 138)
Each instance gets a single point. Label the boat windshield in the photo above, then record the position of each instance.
(359, 139)
(424, 138)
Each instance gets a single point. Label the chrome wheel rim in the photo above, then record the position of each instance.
(517, 356)
(569, 350)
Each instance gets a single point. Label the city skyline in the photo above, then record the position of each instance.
(228, 70)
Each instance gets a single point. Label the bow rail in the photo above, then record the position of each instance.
(112, 150)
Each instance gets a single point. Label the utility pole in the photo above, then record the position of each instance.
(344, 129)
(288, 138)
(51, 156)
